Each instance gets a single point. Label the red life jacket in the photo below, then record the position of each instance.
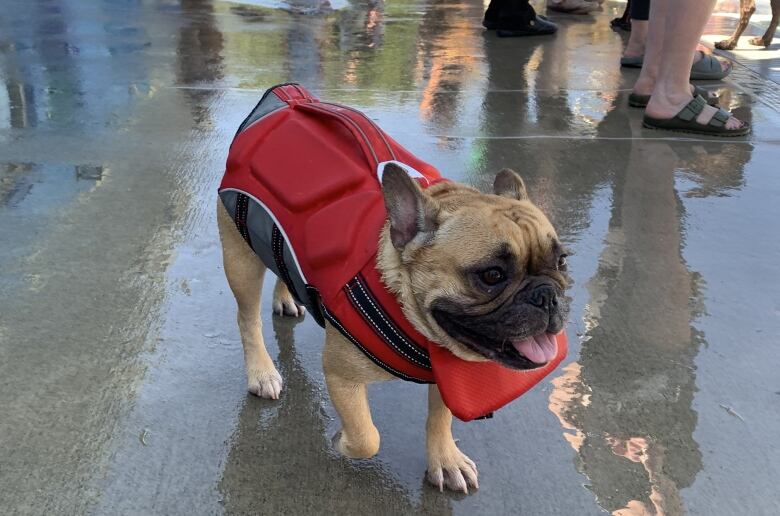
(302, 186)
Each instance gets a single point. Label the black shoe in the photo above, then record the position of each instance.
(490, 21)
(621, 24)
(536, 27)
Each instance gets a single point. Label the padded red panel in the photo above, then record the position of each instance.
(342, 217)
(312, 183)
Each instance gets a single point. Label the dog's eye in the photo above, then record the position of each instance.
(561, 262)
(492, 276)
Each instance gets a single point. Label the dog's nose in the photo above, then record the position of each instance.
(544, 297)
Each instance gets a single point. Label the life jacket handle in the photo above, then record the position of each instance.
(369, 138)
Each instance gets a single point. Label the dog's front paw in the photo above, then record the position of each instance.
(450, 467)
(265, 384)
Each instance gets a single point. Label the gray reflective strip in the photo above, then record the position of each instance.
(278, 246)
(260, 223)
(269, 103)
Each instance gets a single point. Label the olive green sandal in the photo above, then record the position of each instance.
(640, 101)
(685, 121)
(708, 68)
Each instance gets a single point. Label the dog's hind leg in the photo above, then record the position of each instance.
(245, 273)
(769, 35)
(746, 10)
(283, 303)
(347, 374)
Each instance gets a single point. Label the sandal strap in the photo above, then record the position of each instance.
(720, 118)
(712, 62)
(693, 109)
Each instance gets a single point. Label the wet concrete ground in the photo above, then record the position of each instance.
(121, 379)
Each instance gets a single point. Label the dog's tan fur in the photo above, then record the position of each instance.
(417, 274)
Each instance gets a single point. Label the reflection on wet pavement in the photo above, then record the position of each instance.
(121, 375)
(636, 368)
(289, 457)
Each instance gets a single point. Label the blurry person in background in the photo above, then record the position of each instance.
(704, 66)
(671, 102)
(624, 22)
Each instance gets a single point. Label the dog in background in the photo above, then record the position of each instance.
(746, 10)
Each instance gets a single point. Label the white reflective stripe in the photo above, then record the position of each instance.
(380, 169)
(278, 224)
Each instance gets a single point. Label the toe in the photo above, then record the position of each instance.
(734, 123)
(436, 477)
(457, 472)
(455, 480)
(292, 309)
(471, 464)
(470, 472)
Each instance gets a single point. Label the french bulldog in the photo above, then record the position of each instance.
(482, 274)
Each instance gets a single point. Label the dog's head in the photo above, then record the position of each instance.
(481, 274)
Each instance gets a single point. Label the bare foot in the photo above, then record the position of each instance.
(647, 89)
(636, 42)
(709, 111)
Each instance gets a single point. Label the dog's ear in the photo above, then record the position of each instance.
(410, 211)
(508, 183)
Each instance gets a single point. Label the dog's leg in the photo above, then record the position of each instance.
(284, 304)
(746, 10)
(766, 39)
(245, 272)
(346, 375)
(447, 465)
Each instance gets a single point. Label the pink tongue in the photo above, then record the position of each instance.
(539, 349)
